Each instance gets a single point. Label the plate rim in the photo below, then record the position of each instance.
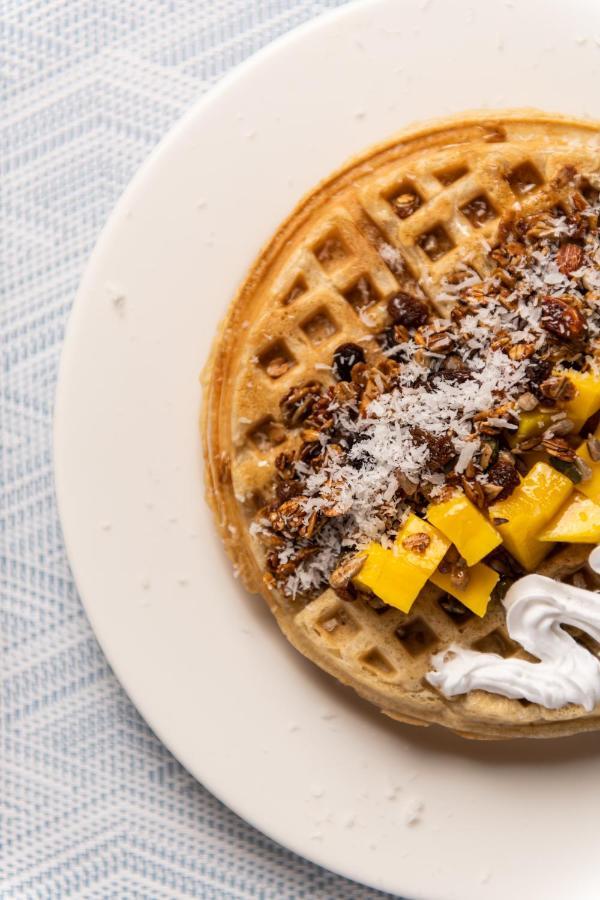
(172, 137)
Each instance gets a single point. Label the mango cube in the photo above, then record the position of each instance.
(578, 521)
(467, 528)
(476, 594)
(530, 425)
(397, 576)
(587, 399)
(528, 509)
(378, 574)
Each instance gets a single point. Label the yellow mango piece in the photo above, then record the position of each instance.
(587, 399)
(397, 576)
(578, 521)
(528, 509)
(530, 425)
(591, 487)
(468, 529)
(436, 549)
(476, 594)
(378, 575)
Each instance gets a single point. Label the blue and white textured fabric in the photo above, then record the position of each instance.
(92, 804)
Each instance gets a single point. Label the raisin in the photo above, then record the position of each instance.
(441, 449)
(562, 320)
(404, 309)
(538, 371)
(345, 358)
(506, 476)
(287, 489)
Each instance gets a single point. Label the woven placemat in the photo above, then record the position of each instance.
(92, 804)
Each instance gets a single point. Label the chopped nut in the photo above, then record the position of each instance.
(593, 445)
(561, 427)
(474, 492)
(308, 529)
(289, 516)
(406, 204)
(488, 454)
(438, 341)
(558, 387)
(345, 572)
(521, 351)
(558, 448)
(527, 402)
(278, 366)
(299, 402)
(569, 258)
(309, 434)
(417, 543)
(408, 487)
(530, 444)
(330, 625)
(492, 491)
(344, 392)
(269, 580)
(583, 468)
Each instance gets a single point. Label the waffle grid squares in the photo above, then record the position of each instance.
(361, 236)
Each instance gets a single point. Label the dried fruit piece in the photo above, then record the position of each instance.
(561, 319)
(407, 310)
(345, 357)
(505, 476)
(441, 448)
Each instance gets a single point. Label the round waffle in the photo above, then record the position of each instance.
(324, 279)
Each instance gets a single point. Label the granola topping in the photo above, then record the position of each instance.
(427, 405)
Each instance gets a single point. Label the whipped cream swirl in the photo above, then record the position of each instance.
(536, 607)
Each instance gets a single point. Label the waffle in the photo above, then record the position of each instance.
(324, 279)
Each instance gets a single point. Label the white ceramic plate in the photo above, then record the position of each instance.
(417, 812)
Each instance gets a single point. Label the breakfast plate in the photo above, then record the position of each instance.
(417, 812)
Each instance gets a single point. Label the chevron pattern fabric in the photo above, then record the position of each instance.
(91, 804)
